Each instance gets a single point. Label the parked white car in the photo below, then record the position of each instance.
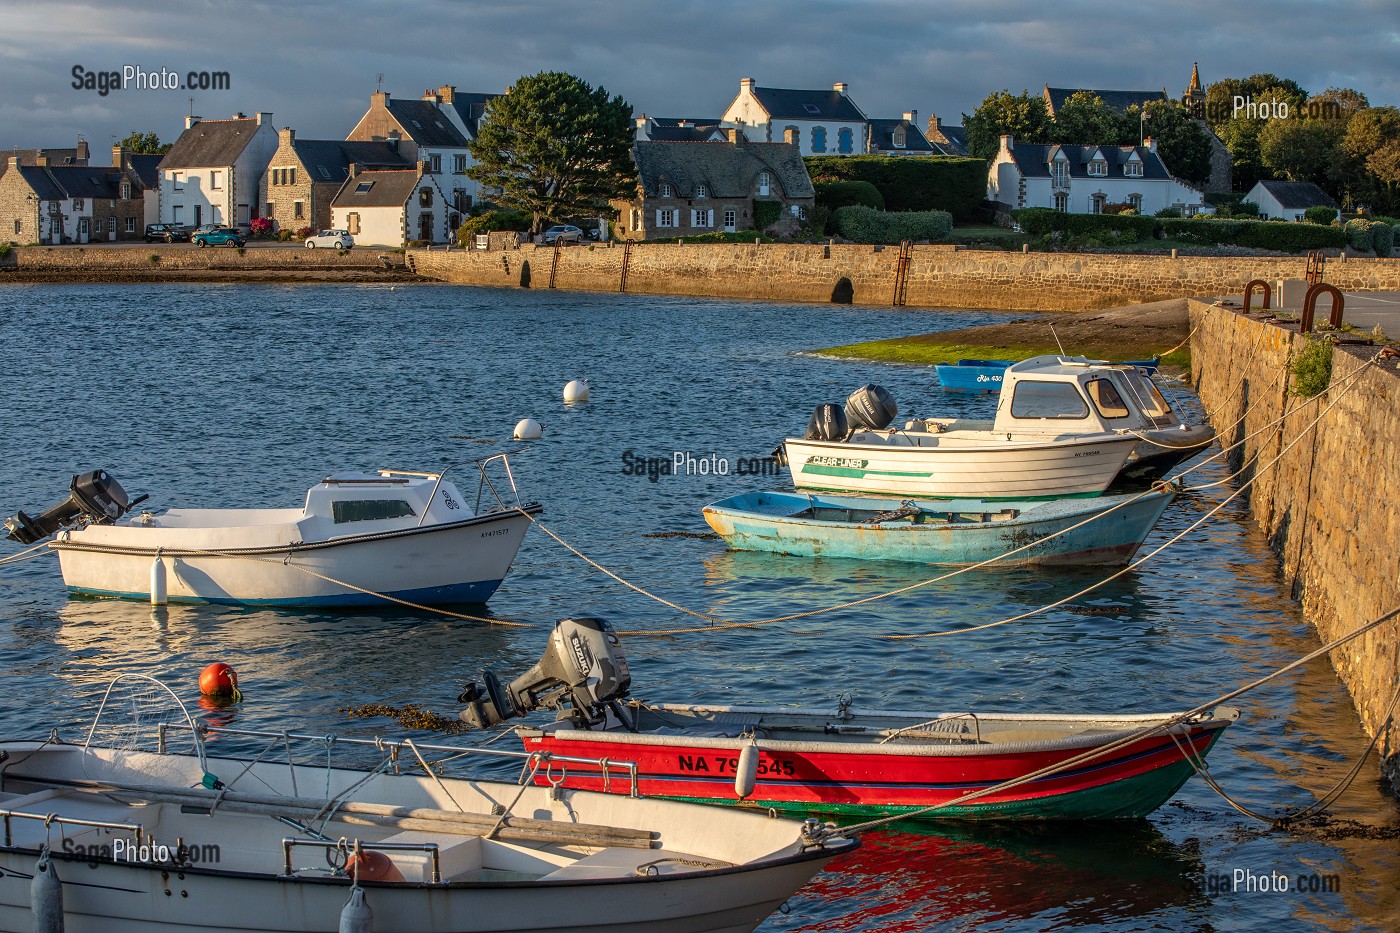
(340, 239)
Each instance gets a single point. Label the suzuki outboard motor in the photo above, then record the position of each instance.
(583, 668)
(870, 408)
(828, 424)
(94, 498)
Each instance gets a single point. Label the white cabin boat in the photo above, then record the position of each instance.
(1064, 426)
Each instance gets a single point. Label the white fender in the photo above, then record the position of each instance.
(46, 896)
(746, 774)
(355, 916)
(158, 587)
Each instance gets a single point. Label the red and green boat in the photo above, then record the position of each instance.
(866, 763)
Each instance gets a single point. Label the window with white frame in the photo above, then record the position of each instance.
(765, 181)
(667, 191)
(1135, 202)
(1133, 169)
(702, 218)
(78, 204)
(1061, 201)
(1098, 168)
(702, 191)
(730, 219)
(1096, 202)
(97, 225)
(459, 165)
(1059, 173)
(666, 217)
(130, 225)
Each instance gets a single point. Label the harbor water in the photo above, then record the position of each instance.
(232, 395)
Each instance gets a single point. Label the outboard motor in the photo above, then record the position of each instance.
(94, 498)
(583, 668)
(828, 424)
(870, 408)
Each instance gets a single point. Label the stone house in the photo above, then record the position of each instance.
(689, 188)
(950, 140)
(435, 129)
(305, 175)
(142, 173)
(1086, 179)
(1289, 199)
(390, 207)
(52, 205)
(212, 173)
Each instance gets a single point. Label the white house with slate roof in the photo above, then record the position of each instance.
(1289, 199)
(1086, 179)
(389, 207)
(817, 122)
(212, 173)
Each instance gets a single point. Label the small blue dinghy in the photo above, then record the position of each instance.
(985, 375)
(953, 532)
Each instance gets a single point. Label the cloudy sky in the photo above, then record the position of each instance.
(314, 64)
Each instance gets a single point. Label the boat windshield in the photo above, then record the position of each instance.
(1145, 392)
(1106, 398)
(1035, 399)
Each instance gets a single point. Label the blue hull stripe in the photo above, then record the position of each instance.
(456, 593)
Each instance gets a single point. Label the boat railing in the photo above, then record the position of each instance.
(50, 819)
(484, 483)
(340, 845)
(531, 762)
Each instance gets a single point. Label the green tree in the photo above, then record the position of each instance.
(1228, 113)
(1300, 150)
(145, 144)
(1021, 115)
(1368, 152)
(1085, 120)
(556, 147)
(1182, 144)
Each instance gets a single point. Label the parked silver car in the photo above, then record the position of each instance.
(338, 239)
(563, 233)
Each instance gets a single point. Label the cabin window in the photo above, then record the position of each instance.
(369, 510)
(1032, 399)
(1106, 398)
(1151, 400)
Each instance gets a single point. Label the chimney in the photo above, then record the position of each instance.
(191, 120)
(121, 157)
(840, 88)
(286, 136)
(935, 125)
(14, 161)
(263, 115)
(379, 99)
(912, 117)
(240, 115)
(393, 140)
(422, 168)
(447, 92)
(355, 169)
(790, 135)
(1008, 142)
(1150, 143)
(41, 158)
(82, 155)
(746, 84)
(734, 134)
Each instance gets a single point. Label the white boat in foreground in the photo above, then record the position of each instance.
(142, 840)
(361, 539)
(1064, 426)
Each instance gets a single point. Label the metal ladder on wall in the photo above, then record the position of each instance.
(1317, 264)
(901, 273)
(626, 260)
(554, 266)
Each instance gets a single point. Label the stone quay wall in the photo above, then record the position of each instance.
(1331, 505)
(938, 276)
(187, 263)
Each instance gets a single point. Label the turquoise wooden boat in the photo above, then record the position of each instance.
(954, 532)
(985, 375)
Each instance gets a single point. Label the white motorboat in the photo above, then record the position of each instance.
(153, 840)
(1064, 426)
(361, 539)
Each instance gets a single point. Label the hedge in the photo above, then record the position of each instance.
(1382, 239)
(1123, 228)
(766, 213)
(1320, 214)
(1359, 233)
(835, 194)
(923, 183)
(1260, 234)
(861, 224)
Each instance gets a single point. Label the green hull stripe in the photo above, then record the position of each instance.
(847, 490)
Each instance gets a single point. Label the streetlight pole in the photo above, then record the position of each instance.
(1142, 122)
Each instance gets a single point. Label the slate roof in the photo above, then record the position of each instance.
(882, 137)
(147, 169)
(1118, 100)
(957, 140)
(470, 107)
(682, 129)
(389, 188)
(726, 169)
(328, 160)
(211, 142)
(1298, 195)
(87, 182)
(787, 104)
(425, 124)
(1033, 160)
(44, 185)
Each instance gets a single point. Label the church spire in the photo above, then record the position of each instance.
(1195, 77)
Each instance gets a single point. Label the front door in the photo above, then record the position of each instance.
(82, 229)
(729, 220)
(199, 215)
(425, 228)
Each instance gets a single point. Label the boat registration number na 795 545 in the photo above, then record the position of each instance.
(719, 764)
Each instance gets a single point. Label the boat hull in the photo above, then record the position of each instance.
(868, 779)
(458, 562)
(1163, 449)
(972, 375)
(942, 466)
(1111, 529)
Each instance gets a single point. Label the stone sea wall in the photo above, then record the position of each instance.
(188, 263)
(1331, 505)
(938, 276)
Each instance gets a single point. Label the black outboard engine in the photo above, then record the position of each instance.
(828, 424)
(870, 408)
(583, 668)
(94, 498)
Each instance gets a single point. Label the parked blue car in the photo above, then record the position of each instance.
(221, 236)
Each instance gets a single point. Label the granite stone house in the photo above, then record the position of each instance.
(689, 188)
(212, 173)
(57, 204)
(305, 175)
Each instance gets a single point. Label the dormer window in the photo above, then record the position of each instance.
(1133, 169)
(765, 181)
(702, 191)
(667, 191)
(1098, 168)
(898, 137)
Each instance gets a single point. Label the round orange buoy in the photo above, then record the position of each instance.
(371, 865)
(219, 680)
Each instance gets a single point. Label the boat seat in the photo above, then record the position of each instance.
(623, 863)
(457, 856)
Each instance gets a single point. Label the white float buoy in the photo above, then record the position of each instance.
(528, 430)
(576, 391)
(355, 916)
(46, 896)
(158, 587)
(746, 773)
